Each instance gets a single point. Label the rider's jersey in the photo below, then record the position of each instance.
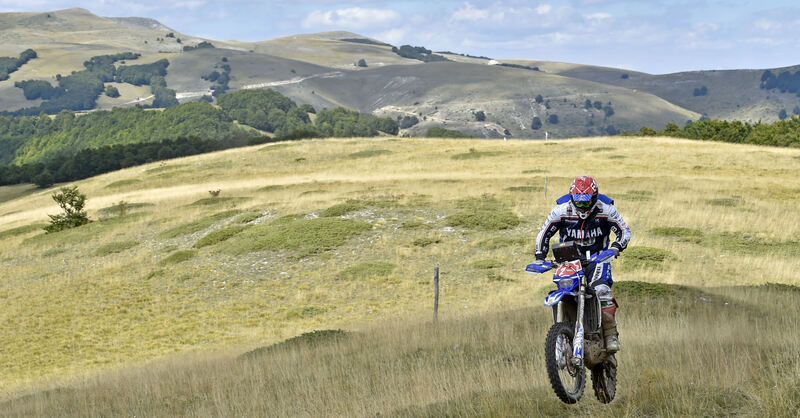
(592, 234)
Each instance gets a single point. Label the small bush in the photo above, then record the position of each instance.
(71, 202)
(368, 153)
(115, 247)
(501, 242)
(342, 209)
(681, 233)
(488, 263)
(645, 258)
(366, 270)
(219, 236)
(425, 241)
(179, 257)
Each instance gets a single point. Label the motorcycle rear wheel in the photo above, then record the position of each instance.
(604, 380)
(567, 380)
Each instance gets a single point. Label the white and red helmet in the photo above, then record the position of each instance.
(583, 194)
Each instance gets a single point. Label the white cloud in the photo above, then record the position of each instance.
(598, 16)
(351, 18)
(469, 12)
(544, 9)
(393, 36)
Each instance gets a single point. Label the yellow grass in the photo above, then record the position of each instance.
(69, 311)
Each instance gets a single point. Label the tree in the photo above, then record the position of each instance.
(362, 62)
(598, 105)
(588, 104)
(536, 123)
(71, 201)
(539, 99)
(552, 119)
(609, 111)
(112, 91)
(782, 114)
(701, 91)
(480, 116)
(44, 180)
(796, 110)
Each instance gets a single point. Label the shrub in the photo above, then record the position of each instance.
(700, 91)
(484, 214)
(366, 270)
(425, 241)
(362, 63)
(71, 201)
(552, 119)
(179, 257)
(44, 180)
(445, 133)
(480, 116)
(219, 236)
(408, 121)
(539, 99)
(304, 236)
(536, 123)
(112, 91)
(341, 209)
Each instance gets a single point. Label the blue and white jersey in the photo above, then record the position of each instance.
(592, 234)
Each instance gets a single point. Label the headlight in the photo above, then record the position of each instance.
(565, 283)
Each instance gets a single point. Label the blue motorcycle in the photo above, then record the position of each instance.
(576, 341)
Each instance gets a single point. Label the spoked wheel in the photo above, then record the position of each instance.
(567, 379)
(604, 380)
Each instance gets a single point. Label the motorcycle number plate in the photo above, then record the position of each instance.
(568, 269)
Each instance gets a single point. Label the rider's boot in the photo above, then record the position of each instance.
(609, 310)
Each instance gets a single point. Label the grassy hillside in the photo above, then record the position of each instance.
(695, 363)
(300, 239)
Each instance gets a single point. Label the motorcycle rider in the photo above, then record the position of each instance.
(588, 218)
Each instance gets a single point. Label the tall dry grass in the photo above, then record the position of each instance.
(711, 352)
(72, 310)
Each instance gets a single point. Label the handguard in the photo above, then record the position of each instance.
(603, 256)
(539, 268)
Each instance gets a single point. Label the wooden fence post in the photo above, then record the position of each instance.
(435, 293)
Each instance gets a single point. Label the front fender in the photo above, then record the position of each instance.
(554, 297)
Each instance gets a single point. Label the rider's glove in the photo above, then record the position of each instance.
(616, 248)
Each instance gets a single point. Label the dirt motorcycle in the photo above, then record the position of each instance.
(576, 342)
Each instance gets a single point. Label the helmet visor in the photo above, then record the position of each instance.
(582, 200)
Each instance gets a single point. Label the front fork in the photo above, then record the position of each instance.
(577, 344)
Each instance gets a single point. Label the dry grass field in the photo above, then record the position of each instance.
(144, 311)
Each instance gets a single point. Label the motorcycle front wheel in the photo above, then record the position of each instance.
(604, 380)
(566, 379)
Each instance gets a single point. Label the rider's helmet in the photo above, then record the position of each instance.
(583, 194)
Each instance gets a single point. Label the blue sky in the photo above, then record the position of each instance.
(655, 36)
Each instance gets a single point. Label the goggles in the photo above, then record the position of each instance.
(582, 200)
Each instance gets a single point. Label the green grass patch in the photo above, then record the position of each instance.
(524, 188)
(474, 154)
(368, 153)
(272, 188)
(122, 183)
(122, 208)
(501, 242)
(216, 201)
(198, 225)
(616, 157)
(756, 243)
(366, 269)
(425, 241)
(248, 217)
(488, 263)
(636, 289)
(304, 236)
(484, 214)
(115, 247)
(645, 258)
(309, 192)
(414, 225)
(163, 168)
(729, 202)
(179, 257)
(534, 171)
(601, 149)
(219, 235)
(341, 209)
(22, 230)
(680, 233)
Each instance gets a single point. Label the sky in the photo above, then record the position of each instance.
(654, 36)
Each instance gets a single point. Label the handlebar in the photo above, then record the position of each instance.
(546, 265)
